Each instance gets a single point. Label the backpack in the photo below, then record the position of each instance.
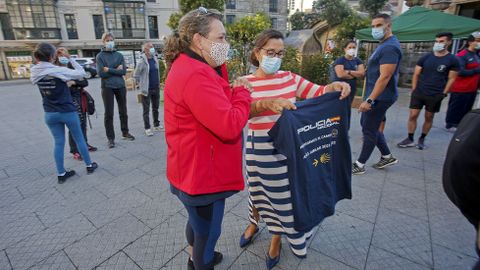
(88, 103)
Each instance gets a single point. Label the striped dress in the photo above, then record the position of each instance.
(268, 183)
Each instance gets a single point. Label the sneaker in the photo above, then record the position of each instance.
(159, 128)
(384, 162)
(63, 178)
(92, 148)
(92, 168)
(77, 156)
(111, 143)
(451, 129)
(406, 143)
(357, 170)
(421, 143)
(148, 132)
(128, 137)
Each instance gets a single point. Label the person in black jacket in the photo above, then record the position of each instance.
(461, 172)
(76, 90)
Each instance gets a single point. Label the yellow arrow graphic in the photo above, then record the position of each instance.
(315, 163)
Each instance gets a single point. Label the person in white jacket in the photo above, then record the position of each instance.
(147, 76)
(54, 82)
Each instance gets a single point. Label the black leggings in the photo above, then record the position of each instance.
(203, 230)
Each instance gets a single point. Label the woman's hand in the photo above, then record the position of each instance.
(342, 87)
(70, 83)
(242, 82)
(277, 105)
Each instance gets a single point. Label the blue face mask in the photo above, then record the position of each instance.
(437, 47)
(477, 47)
(110, 45)
(270, 65)
(63, 60)
(152, 51)
(378, 33)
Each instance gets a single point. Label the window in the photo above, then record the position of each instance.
(98, 25)
(6, 27)
(153, 26)
(274, 22)
(33, 19)
(230, 19)
(230, 4)
(71, 26)
(152, 1)
(125, 19)
(273, 7)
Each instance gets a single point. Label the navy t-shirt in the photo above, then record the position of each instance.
(348, 65)
(314, 138)
(153, 76)
(435, 71)
(56, 95)
(388, 52)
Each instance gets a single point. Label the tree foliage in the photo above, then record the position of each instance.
(301, 20)
(241, 35)
(291, 60)
(188, 5)
(333, 11)
(373, 7)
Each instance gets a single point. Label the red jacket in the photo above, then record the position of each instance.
(204, 119)
(467, 79)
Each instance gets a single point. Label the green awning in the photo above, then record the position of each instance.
(422, 24)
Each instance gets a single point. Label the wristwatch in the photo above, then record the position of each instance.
(370, 101)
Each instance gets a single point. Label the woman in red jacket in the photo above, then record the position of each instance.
(204, 119)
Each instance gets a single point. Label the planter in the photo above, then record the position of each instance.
(357, 100)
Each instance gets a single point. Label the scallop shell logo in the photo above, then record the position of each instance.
(325, 158)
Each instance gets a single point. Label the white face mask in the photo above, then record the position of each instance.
(351, 52)
(219, 52)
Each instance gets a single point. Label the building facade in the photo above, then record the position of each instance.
(78, 25)
(467, 8)
(276, 9)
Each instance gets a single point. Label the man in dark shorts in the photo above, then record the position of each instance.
(434, 74)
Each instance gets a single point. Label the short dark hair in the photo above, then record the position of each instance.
(384, 16)
(445, 34)
(261, 40)
(470, 38)
(345, 45)
(44, 52)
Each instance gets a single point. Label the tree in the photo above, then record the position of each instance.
(333, 11)
(188, 5)
(291, 60)
(373, 7)
(301, 20)
(241, 35)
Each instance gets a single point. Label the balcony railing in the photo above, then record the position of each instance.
(133, 33)
(37, 33)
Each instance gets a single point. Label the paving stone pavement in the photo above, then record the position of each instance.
(124, 217)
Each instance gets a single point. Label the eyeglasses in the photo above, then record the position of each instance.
(273, 53)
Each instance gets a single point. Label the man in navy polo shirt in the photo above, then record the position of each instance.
(381, 92)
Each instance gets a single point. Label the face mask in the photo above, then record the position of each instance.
(270, 65)
(219, 52)
(378, 33)
(437, 47)
(477, 47)
(152, 51)
(63, 60)
(110, 45)
(351, 52)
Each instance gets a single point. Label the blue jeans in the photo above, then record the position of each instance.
(56, 122)
(370, 122)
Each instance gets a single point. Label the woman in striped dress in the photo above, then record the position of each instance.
(269, 192)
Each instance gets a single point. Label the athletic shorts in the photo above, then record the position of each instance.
(432, 103)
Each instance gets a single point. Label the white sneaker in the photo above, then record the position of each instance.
(159, 128)
(148, 132)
